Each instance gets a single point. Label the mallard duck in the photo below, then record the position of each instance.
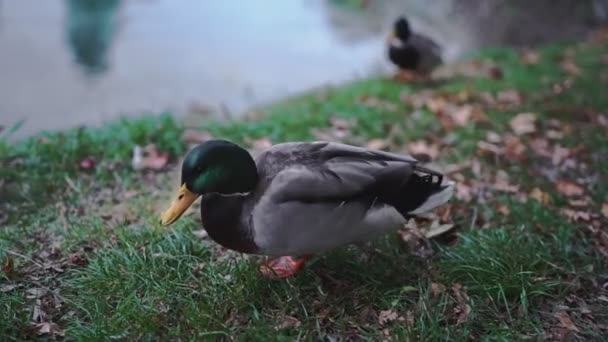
(411, 52)
(302, 198)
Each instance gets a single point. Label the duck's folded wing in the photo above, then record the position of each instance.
(340, 179)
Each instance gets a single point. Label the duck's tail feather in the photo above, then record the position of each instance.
(441, 190)
(437, 199)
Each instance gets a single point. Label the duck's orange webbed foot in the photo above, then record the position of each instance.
(407, 76)
(283, 267)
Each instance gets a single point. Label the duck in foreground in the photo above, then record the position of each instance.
(411, 52)
(302, 198)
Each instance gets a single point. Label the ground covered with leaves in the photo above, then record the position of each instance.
(520, 253)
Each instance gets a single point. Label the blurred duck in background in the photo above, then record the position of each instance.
(415, 55)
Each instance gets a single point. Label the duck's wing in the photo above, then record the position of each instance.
(324, 170)
(430, 51)
(335, 194)
(340, 173)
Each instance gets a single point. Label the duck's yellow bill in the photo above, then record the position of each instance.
(180, 204)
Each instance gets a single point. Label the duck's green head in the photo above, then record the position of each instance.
(215, 166)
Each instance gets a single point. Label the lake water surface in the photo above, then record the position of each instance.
(76, 62)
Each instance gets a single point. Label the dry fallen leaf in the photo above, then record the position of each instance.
(201, 234)
(504, 210)
(569, 189)
(421, 147)
(576, 215)
(376, 144)
(579, 202)
(9, 265)
(463, 309)
(375, 102)
(509, 97)
(566, 322)
(77, 259)
(529, 57)
(148, 158)
(523, 123)
(464, 192)
(260, 145)
(288, 322)
(540, 196)
(49, 328)
(191, 136)
(514, 149)
(569, 66)
(87, 163)
(437, 289)
(387, 316)
(605, 210)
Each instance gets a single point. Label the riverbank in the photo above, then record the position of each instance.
(524, 255)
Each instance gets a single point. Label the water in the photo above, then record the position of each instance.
(77, 62)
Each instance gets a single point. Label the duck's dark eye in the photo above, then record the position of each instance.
(180, 196)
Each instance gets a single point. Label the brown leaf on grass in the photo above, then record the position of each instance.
(78, 259)
(484, 146)
(387, 316)
(464, 192)
(375, 102)
(605, 210)
(192, 136)
(377, 144)
(148, 158)
(289, 322)
(493, 137)
(514, 149)
(509, 97)
(523, 123)
(540, 196)
(421, 147)
(566, 322)
(569, 189)
(560, 154)
(541, 147)
(87, 163)
(529, 57)
(339, 131)
(554, 134)
(415, 239)
(417, 99)
(584, 202)
(437, 289)
(501, 183)
(9, 265)
(569, 66)
(260, 145)
(409, 318)
(49, 328)
(575, 215)
(504, 210)
(462, 309)
(201, 234)
(495, 73)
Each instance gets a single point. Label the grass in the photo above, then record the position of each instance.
(95, 261)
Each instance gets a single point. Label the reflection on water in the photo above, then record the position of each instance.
(91, 28)
(74, 62)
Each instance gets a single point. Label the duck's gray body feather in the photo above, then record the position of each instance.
(312, 197)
